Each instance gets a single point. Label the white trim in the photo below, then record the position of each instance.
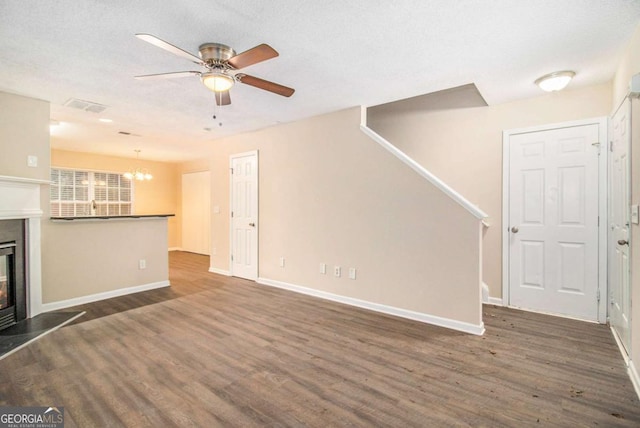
(495, 301)
(219, 271)
(603, 162)
(603, 215)
(621, 347)
(20, 214)
(44, 333)
(24, 180)
(34, 266)
(635, 378)
(631, 367)
(488, 299)
(376, 307)
(424, 173)
(61, 304)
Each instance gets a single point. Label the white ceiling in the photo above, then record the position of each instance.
(335, 53)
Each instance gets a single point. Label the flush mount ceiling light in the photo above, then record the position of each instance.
(217, 81)
(555, 81)
(137, 173)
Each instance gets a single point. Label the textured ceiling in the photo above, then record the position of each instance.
(336, 54)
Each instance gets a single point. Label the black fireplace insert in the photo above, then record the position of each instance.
(13, 302)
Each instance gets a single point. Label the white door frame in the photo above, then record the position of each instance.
(231, 249)
(603, 196)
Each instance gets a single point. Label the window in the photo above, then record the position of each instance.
(76, 193)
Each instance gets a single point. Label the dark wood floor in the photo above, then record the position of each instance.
(215, 351)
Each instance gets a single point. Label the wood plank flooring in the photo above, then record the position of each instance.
(216, 351)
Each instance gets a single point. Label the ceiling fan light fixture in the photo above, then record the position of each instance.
(217, 81)
(555, 81)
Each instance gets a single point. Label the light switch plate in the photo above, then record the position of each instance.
(635, 215)
(32, 161)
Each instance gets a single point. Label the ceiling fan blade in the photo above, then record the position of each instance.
(169, 47)
(222, 98)
(168, 75)
(254, 55)
(265, 84)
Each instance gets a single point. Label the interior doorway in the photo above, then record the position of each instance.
(244, 215)
(619, 223)
(554, 211)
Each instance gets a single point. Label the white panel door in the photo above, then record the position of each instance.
(553, 221)
(244, 215)
(196, 212)
(619, 288)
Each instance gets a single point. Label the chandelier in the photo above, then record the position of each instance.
(137, 173)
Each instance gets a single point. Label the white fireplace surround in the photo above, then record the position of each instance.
(20, 199)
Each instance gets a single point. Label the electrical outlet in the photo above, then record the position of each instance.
(142, 264)
(337, 271)
(352, 273)
(281, 262)
(32, 161)
(323, 268)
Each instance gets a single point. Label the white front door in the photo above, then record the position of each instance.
(244, 215)
(619, 298)
(196, 212)
(553, 221)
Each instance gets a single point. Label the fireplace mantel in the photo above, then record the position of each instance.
(20, 199)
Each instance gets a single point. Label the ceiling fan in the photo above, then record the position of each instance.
(220, 63)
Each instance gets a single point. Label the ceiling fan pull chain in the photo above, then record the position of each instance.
(215, 106)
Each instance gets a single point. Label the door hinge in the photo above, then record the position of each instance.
(611, 145)
(232, 260)
(598, 295)
(232, 214)
(231, 171)
(598, 220)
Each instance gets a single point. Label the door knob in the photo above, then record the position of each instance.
(252, 224)
(514, 229)
(623, 242)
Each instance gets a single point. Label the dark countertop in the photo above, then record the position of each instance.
(111, 217)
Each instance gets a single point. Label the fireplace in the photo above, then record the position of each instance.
(13, 302)
(20, 208)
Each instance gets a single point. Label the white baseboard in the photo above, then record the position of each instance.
(635, 378)
(46, 307)
(495, 301)
(631, 367)
(175, 249)
(403, 313)
(488, 299)
(219, 271)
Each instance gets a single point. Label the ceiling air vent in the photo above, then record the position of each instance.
(128, 133)
(85, 105)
